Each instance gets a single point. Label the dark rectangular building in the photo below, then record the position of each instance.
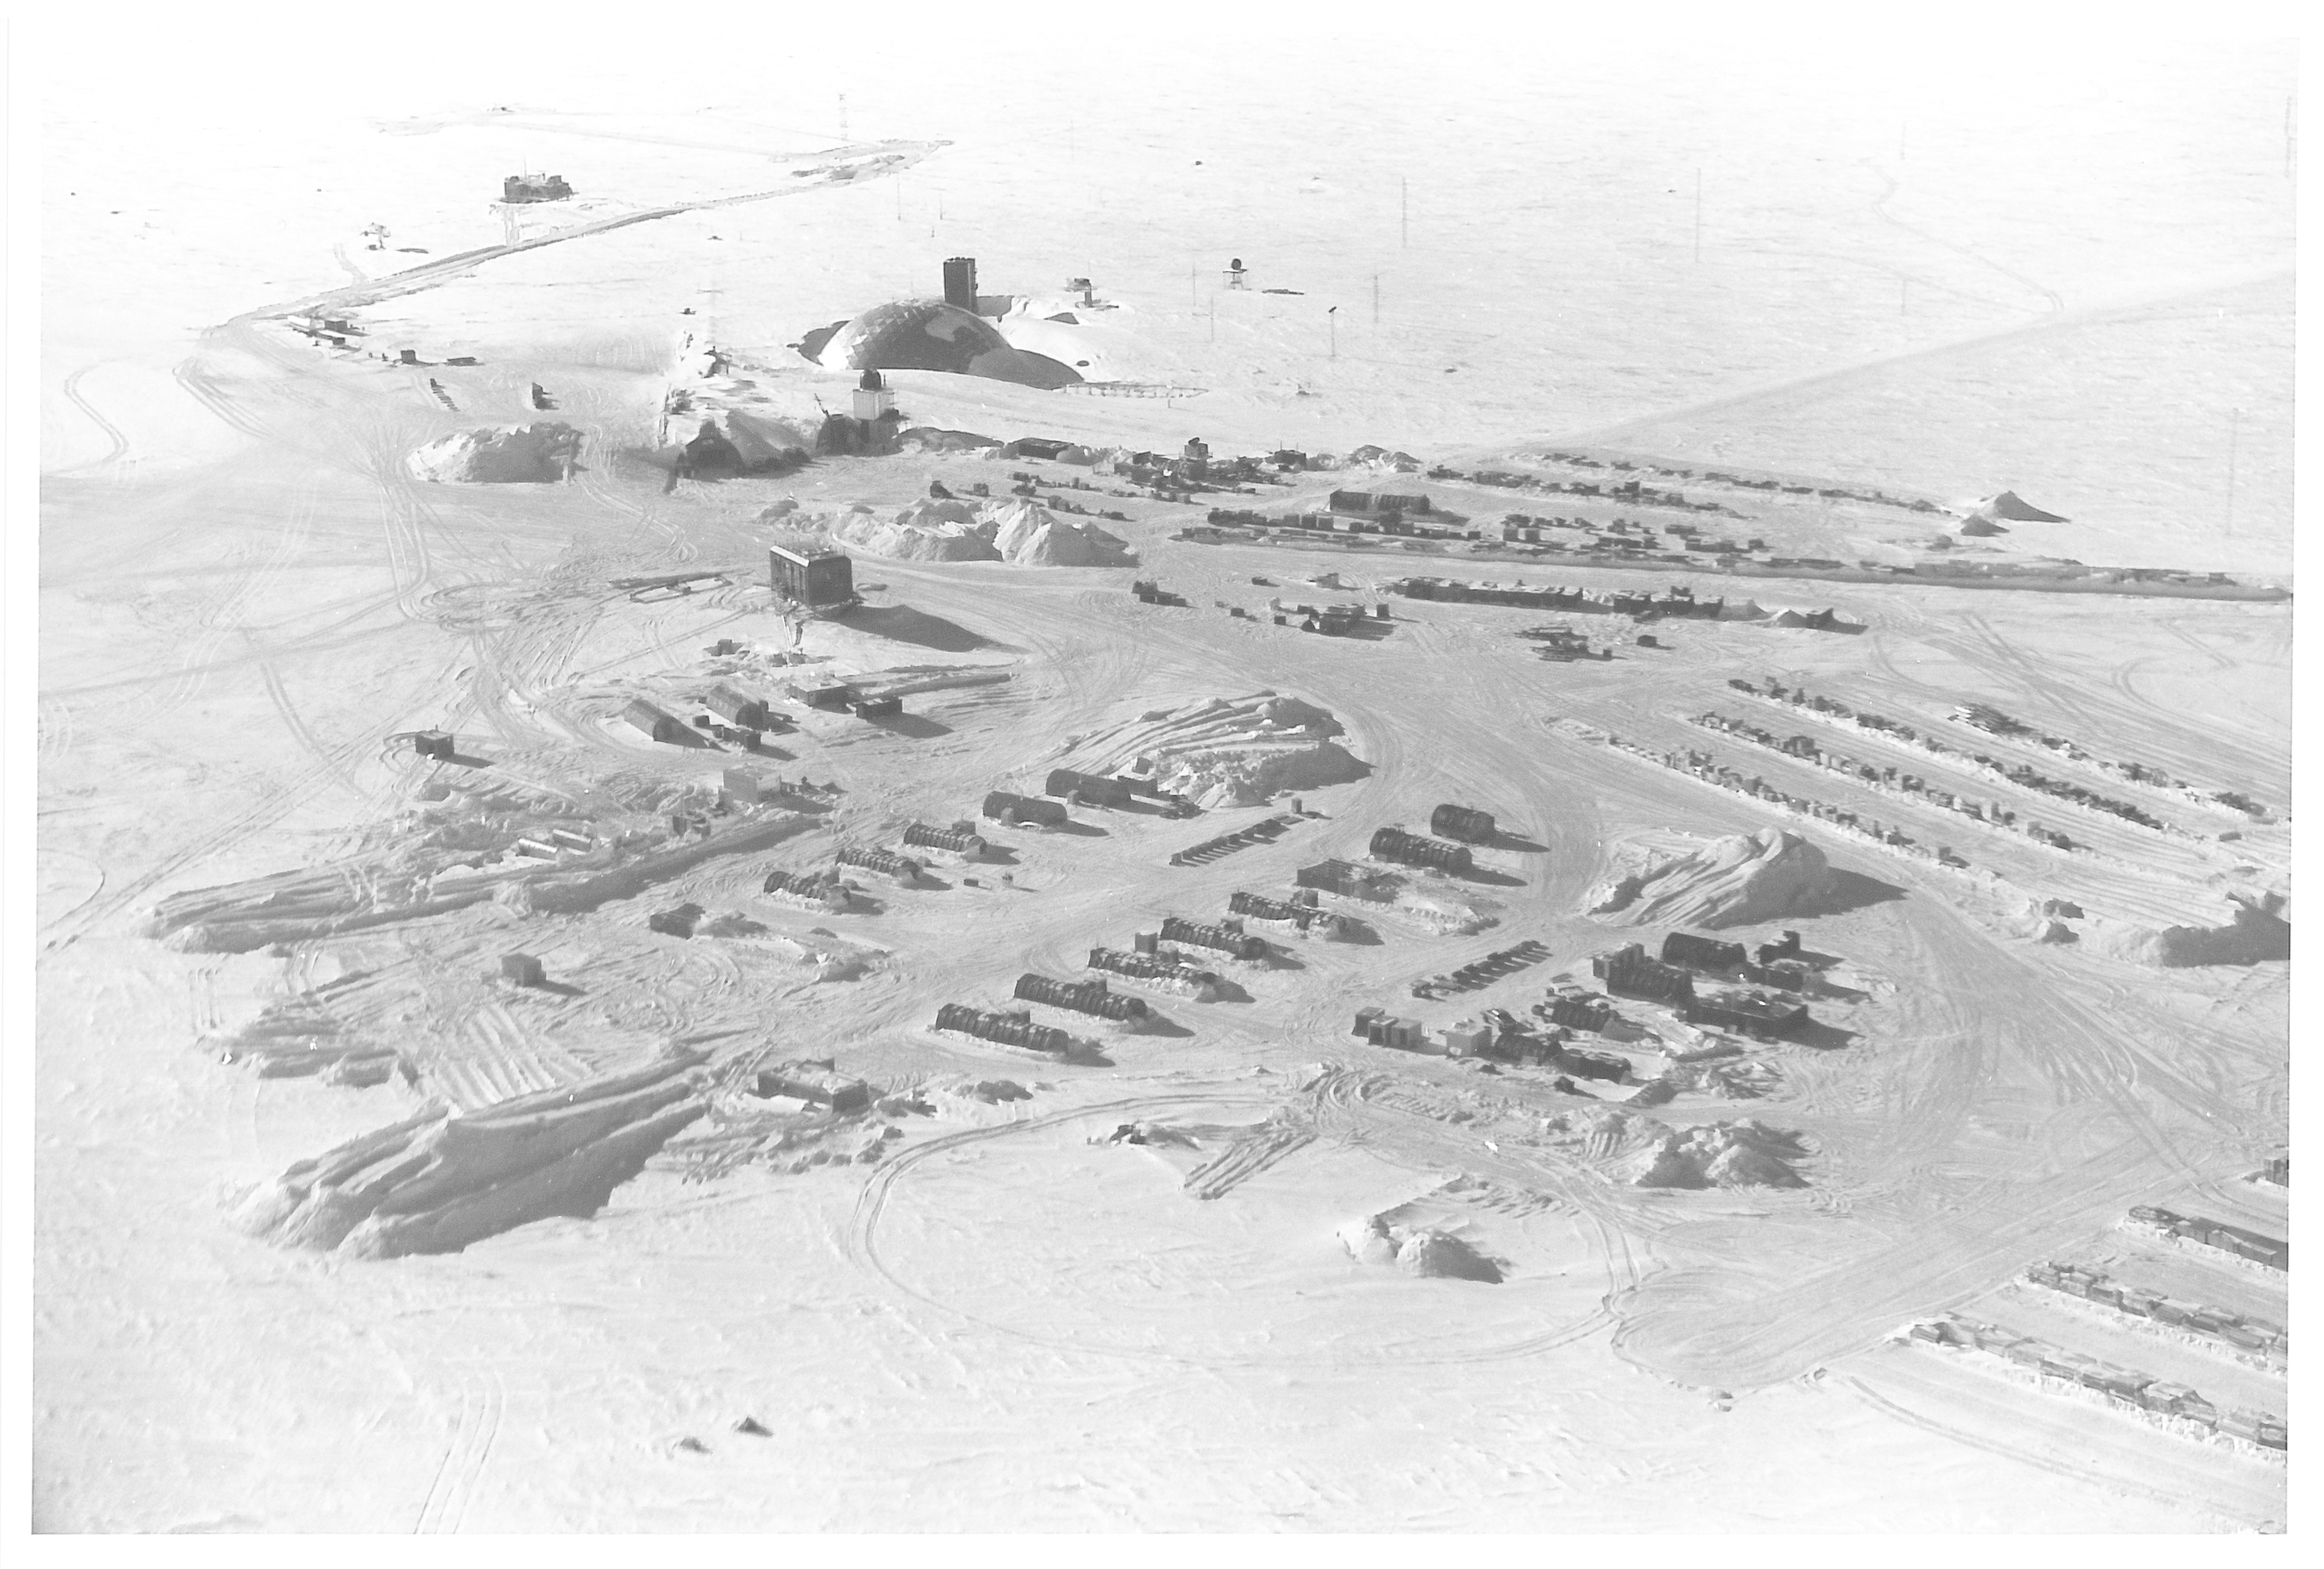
(1094, 787)
(1628, 971)
(1761, 1017)
(814, 578)
(1703, 953)
(960, 283)
(1005, 807)
(1349, 880)
(1396, 844)
(1455, 822)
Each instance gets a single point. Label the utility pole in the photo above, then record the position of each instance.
(1698, 213)
(1332, 315)
(2234, 418)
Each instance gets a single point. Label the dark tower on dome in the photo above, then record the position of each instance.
(960, 283)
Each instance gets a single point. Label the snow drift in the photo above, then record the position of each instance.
(1734, 880)
(436, 1182)
(1226, 752)
(537, 454)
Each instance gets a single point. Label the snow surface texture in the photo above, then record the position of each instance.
(1226, 752)
(1736, 880)
(434, 1183)
(538, 453)
(190, 1382)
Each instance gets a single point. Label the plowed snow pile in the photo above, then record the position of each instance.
(1020, 532)
(926, 531)
(436, 1182)
(1734, 881)
(1226, 752)
(1028, 534)
(1647, 1153)
(539, 453)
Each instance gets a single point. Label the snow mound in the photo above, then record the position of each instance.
(1444, 911)
(926, 531)
(436, 1182)
(1734, 880)
(1153, 1133)
(539, 453)
(1367, 1240)
(1647, 1153)
(989, 1091)
(1423, 1250)
(1021, 532)
(1600, 1133)
(1741, 1154)
(2011, 507)
(1027, 534)
(2257, 932)
(1441, 1256)
(1384, 460)
(1227, 751)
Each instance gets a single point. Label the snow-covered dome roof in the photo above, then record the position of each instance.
(929, 334)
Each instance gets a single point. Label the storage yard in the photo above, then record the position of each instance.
(791, 991)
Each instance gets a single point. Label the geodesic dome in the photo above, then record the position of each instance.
(927, 335)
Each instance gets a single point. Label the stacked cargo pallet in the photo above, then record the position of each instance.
(2238, 1330)
(2123, 1385)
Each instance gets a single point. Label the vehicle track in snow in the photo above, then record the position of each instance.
(861, 1243)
